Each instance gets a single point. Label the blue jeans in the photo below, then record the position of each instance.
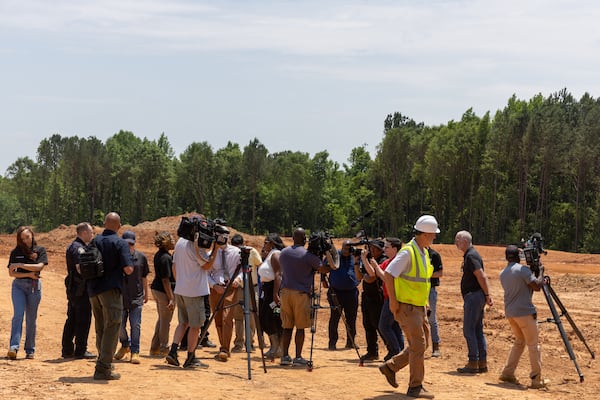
(474, 303)
(390, 330)
(433, 323)
(134, 315)
(26, 296)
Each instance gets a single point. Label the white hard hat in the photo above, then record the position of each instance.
(427, 224)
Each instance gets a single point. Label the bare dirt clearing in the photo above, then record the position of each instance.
(575, 278)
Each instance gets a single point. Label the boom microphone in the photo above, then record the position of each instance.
(359, 219)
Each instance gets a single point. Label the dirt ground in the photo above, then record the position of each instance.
(575, 278)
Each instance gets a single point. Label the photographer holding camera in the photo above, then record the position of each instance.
(190, 266)
(344, 286)
(519, 282)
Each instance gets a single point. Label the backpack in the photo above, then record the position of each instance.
(91, 265)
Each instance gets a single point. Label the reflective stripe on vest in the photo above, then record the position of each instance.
(412, 287)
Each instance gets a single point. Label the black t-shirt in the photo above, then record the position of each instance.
(133, 289)
(163, 268)
(18, 257)
(471, 262)
(436, 262)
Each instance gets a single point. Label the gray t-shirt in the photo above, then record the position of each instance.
(192, 280)
(515, 279)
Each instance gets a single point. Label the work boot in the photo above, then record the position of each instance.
(275, 349)
(537, 382)
(122, 352)
(472, 367)
(436, 350)
(509, 379)
(390, 375)
(106, 375)
(482, 366)
(419, 392)
(135, 358)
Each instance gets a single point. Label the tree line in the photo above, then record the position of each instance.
(532, 167)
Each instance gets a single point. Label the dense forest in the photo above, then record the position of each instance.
(533, 167)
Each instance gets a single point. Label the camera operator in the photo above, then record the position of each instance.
(519, 282)
(388, 327)
(371, 299)
(343, 285)
(223, 269)
(298, 266)
(190, 266)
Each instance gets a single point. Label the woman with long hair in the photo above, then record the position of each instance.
(269, 303)
(26, 262)
(162, 290)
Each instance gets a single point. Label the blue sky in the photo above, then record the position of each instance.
(297, 75)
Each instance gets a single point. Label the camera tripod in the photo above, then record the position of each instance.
(552, 297)
(314, 308)
(249, 306)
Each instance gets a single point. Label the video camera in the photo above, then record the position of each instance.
(319, 243)
(362, 240)
(206, 230)
(532, 250)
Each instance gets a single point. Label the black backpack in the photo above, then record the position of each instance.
(91, 265)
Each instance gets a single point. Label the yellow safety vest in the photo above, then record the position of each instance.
(412, 287)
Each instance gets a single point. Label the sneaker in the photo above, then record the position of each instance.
(85, 356)
(106, 376)
(135, 358)
(369, 357)
(509, 379)
(436, 354)
(237, 349)
(207, 343)
(419, 392)
(390, 375)
(299, 361)
(12, 354)
(286, 360)
(172, 359)
(121, 353)
(194, 363)
(222, 356)
(29, 356)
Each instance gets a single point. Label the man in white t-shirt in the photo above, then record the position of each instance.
(190, 265)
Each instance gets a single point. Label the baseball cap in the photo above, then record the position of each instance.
(129, 237)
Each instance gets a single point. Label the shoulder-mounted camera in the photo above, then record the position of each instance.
(206, 230)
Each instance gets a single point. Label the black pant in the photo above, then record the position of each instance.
(77, 326)
(371, 310)
(348, 303)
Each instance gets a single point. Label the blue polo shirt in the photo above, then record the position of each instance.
(116, 256)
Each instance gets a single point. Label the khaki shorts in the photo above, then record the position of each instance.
(295, 309)
(190, 310)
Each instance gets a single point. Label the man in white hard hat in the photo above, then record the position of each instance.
(409, 275)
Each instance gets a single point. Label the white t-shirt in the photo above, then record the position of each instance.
(192, 280)
(402, 262)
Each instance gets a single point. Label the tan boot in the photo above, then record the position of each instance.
(537, 382)
(472, 367)
(482, 366)
(122, 352)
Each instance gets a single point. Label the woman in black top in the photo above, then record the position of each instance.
(25, 264)
(162, 290)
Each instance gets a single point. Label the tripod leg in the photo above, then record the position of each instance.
(259, 331)
(315, 304)
(564, 312)
(561, 329)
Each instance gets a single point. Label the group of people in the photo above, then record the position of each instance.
(398, 298)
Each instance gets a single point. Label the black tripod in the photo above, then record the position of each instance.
(314, 308)
(249, 305)
(552, 297)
